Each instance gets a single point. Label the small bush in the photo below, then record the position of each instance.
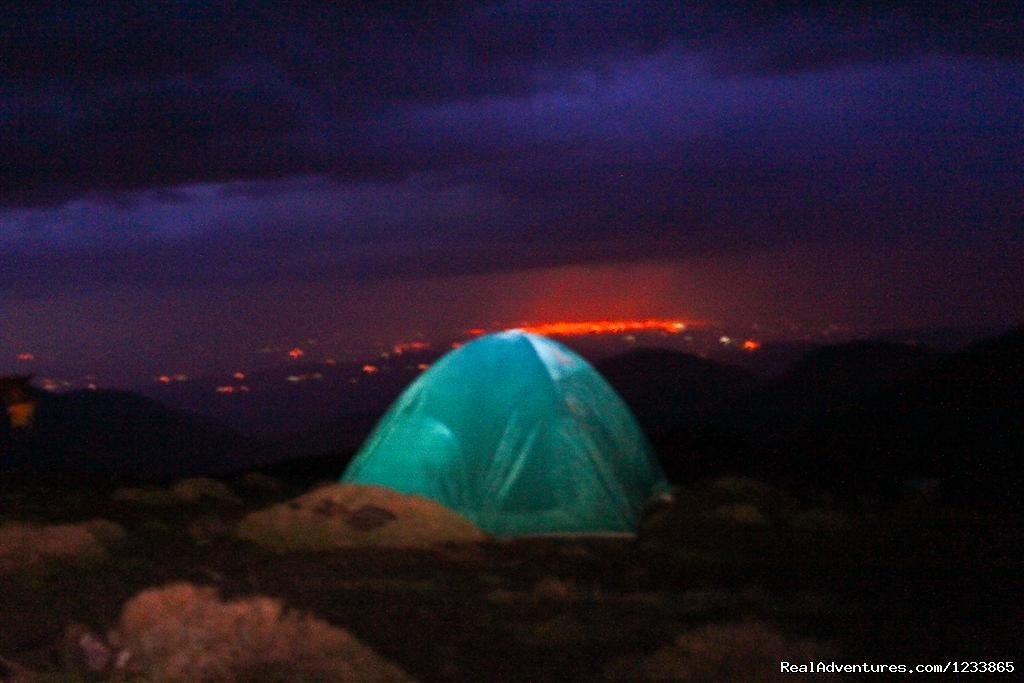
(185, 632)
(742, 514)
(203, 489)
(26, 545)
(552, 588)
(155, 497)
(819, 519)
(189, 491)
(743, 488)
(745, 651)
(260, 484)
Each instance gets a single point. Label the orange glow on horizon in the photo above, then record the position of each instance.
(573, 329)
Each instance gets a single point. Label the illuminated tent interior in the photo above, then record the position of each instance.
(518, 434)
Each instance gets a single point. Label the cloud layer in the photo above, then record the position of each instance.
(170, 145)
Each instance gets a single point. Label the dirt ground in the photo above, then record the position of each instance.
(722, 584)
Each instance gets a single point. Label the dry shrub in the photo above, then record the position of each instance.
(334, 516)
(504, 595)
(260, 484)
(199, 489)
(745, 651)
(13, 672)
(144, 496)
(184, 632)
(194, 490)
(561, 631)
(552, 588)
(819, 519)
(26, 545)
(742, 514)
(743, 488)
(207, 529)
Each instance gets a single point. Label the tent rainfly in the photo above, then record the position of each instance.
(518, 434)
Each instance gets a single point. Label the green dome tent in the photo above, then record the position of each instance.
(518, 434)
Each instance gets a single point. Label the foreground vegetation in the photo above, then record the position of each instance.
(721, 584)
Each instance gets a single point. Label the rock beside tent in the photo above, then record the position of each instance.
(353, 515)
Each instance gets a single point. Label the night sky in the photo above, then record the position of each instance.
(176, 175)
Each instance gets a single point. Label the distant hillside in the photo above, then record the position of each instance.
(859, 418)
(670, 389)
(828, 380)
(114, 432)
(960, 419)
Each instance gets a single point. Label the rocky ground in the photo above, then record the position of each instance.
(190, 580)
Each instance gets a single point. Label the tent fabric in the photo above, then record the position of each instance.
(518, 434)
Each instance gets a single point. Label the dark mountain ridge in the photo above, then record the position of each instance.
(122, 434)
(857, 418)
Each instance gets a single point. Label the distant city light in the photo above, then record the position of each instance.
(305, 378)
(725, 340)
(370, 369)
(404, 347)
(475, 331)
(167, 379)
(296, 353)
(26, 356)
(422, 366)
(239, 375)
(225, 390)
(751, 345)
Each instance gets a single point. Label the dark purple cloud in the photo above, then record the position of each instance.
(131, 95)
(172, 147)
